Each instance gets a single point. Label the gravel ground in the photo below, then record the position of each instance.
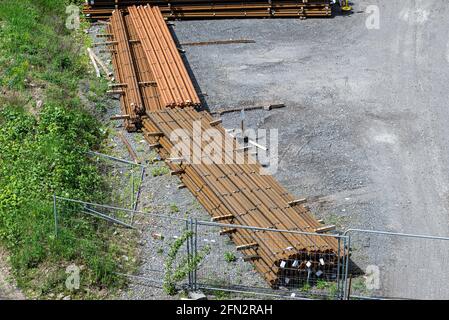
(8, 287)
(364, 134)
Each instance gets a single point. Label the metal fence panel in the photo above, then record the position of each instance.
(124, 177)
(225, 269)
(387, 265)
(156, 234)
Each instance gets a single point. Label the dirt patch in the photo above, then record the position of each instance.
(8, 287)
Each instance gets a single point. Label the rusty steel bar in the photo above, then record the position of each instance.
(234, 192)
(196, 9)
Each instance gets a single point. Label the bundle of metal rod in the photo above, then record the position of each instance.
(175, 86)
(127, 83)
(236, 193)
(134, 79)
(231, 189)
(197, 9)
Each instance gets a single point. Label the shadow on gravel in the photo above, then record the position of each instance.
(204, 106)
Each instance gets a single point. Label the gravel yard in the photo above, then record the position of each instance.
(364, 135)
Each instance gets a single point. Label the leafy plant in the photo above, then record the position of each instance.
(159, 171)
(176, 273)
(174, 208)
(230, 257)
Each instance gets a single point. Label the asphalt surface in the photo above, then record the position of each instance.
(365, 132)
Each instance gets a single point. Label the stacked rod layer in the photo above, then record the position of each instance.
(125, 64)
(234, 191)
(198, 9)
(230, 187)
(174, 83)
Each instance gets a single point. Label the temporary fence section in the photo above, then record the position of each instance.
(206, 9)
(124, 179)
(186, 253)
(87, 230)
(390, 265)
(164, 249)
(311, 273)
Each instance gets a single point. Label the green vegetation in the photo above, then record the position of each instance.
(43, 151)
(330, 287)
(176, 273)
(174, 208)
(221, 295)
(306, 287)
(230, 257)
(159, 171)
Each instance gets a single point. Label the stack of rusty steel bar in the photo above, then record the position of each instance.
(174, 83)
(231, 188)
(237, 193)
(202, 9)
(134, 80)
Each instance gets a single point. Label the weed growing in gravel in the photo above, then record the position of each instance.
(159, 171)
(230, 257)
(176, 273)
(174, 208)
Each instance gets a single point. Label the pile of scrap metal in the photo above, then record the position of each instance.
(152, 78)
(203, 9)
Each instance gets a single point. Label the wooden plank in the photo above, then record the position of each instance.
(251, 257)
(106, 43)
(225, 217)
(94, 62)
(227, 231)
(297, 202)
(155, 134)
(130, 149)
(325, 229)
(215, 122)
(176, 172)
(121, 117)
(247, 246)
(207, 43)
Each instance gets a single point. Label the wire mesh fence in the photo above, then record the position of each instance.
(308, 272)
(84, 229)
(163, 241)
(181, 252)
(225, 260)
(124, 178)
(395, 265)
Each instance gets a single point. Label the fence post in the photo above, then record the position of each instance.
(188, 253)
(195, 250)
(132, 188)
(191, 241)
(55, 215)
(346, 271)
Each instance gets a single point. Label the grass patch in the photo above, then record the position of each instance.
(230, 257)
(44, 152)
(159, 171)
